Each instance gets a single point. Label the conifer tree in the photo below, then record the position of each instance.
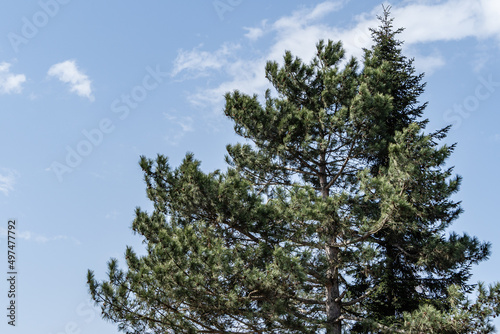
(336, 181)
(406, 279)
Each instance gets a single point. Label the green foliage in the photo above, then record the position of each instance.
(332, 218)
(419, 262)
(465, 316)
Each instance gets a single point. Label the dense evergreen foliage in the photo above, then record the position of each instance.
(331, 217)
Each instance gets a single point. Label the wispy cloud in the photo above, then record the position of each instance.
(246, 72)
(254, 33)
(112, 215)
(200, 62)
(68, 72)
(424, 21)
(39, 238)
(7, 180)
(9, 82)
(182, 125)
(428, 63)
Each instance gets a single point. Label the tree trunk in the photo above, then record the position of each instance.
(333, 304)
(333, 309)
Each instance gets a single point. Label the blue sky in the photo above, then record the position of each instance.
(87, 87)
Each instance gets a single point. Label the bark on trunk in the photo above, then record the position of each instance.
(333, 304)
(333, 307)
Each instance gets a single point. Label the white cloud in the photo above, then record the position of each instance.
(491, 23)
(429, 63)
(183, 125)
(199, 62)
(307, 15)
(424, 21)
(254, 33)
(10, 83)
(293, 32)
(69, 73)
(449, 20)
(300, 31)
(7, 180)
(39, 238)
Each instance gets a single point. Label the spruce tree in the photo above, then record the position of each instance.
(406, 279)
(335, 194)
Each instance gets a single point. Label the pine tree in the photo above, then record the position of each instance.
(335, 182)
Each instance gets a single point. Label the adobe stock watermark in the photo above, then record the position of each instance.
(121, 107)
(86, 313)
(224, 6)
(32, 25)
(471, 103)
